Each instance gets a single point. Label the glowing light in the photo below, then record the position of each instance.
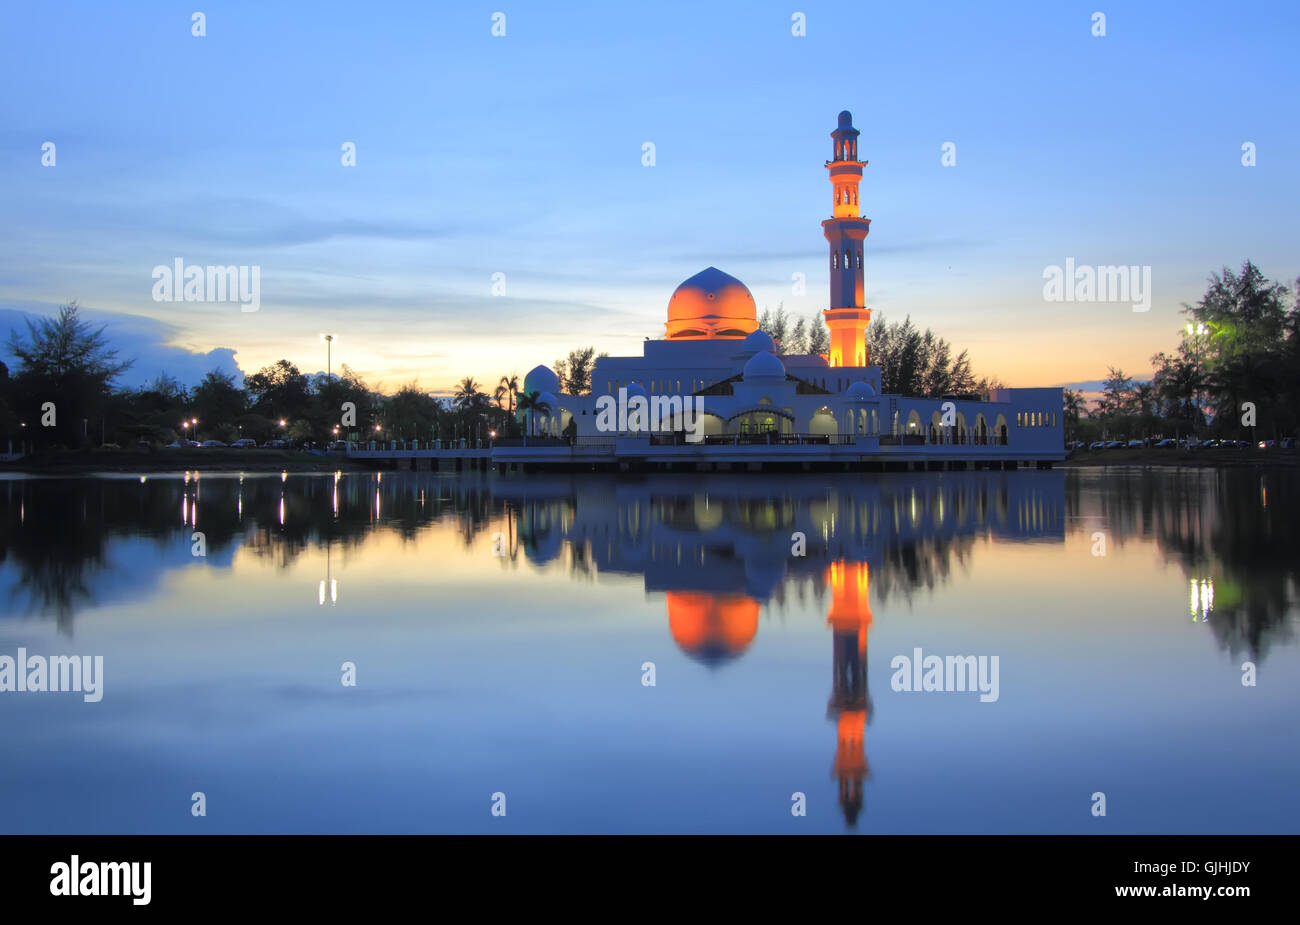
(1202, 599)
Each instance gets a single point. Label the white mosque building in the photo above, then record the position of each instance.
(760, 406)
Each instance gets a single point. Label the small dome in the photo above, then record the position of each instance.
(758, 340)
(634, 388)
(860, 391)
(846, 119)
(763, 365)
(541, 379)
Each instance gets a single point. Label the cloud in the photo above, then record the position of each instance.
(145, 341)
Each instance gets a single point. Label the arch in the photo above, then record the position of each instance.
(913, 422)
(962, 433)
(823, 422)
(1000, 430)
(981, 429)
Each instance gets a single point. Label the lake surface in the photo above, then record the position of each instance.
(504, 633)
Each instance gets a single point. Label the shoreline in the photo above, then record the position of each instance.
(219, 460)
(281, 461)
(1182, 459)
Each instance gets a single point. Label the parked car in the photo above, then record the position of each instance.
(1166, 443)
(1133, 444)
(206, 444)
(274, 444)
(1267, 444)
(1097, 445)
(1115, 445)
(1288, 443)
(244, 443)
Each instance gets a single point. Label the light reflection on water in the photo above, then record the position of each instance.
(500, 629)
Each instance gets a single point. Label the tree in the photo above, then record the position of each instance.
(775, 324)
(506, 390)
(1073, 405)
(576, 376)
(412, 413)
(217, 400)
(819, 338)
(1248, 349)
(65, 361)
(530, 405)
(798, 343)
(279, 391)
(920, 363)
(468, 395)
(1115, 393)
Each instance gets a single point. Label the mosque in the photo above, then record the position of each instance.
(756, 404)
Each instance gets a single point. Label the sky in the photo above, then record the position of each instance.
(522, 155)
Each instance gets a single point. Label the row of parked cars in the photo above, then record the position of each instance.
(1286, 443)
(243, 444)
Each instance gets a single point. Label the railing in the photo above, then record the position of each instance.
(776, 439)
(533, 441)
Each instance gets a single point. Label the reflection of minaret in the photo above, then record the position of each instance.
(850, 703)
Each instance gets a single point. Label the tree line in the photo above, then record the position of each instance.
(1235, 371)
(64, 395)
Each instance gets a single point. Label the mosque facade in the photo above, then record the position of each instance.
(737, 388)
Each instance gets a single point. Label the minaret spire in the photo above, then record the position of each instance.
(848, 315)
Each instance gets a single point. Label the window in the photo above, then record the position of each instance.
(859, 257)
(835, 260)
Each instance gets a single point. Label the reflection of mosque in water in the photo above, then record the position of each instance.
(719, 556)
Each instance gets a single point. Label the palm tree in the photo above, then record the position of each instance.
(530, 403)
(467, 394)
(507, 388)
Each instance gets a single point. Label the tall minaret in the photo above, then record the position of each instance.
(847, 317)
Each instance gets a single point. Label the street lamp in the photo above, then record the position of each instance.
(329, 341)
(1197, 332)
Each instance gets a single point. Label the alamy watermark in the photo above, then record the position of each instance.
(193, 283)
(56, 673)
(655, 413)
(951, 673)
(1073, 283)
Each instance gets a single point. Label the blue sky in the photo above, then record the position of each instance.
(522, 155)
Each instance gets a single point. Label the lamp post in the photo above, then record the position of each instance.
(1197, 332)
(329, 341)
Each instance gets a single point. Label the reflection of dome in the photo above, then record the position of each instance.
(860, 391)
(711, 304)
(758, 340)
(541, 379)
(763, 365)
(709, 627)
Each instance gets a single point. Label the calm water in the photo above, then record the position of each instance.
(501, 629)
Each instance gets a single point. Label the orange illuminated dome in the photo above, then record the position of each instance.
(711, 304)
(712, 628)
